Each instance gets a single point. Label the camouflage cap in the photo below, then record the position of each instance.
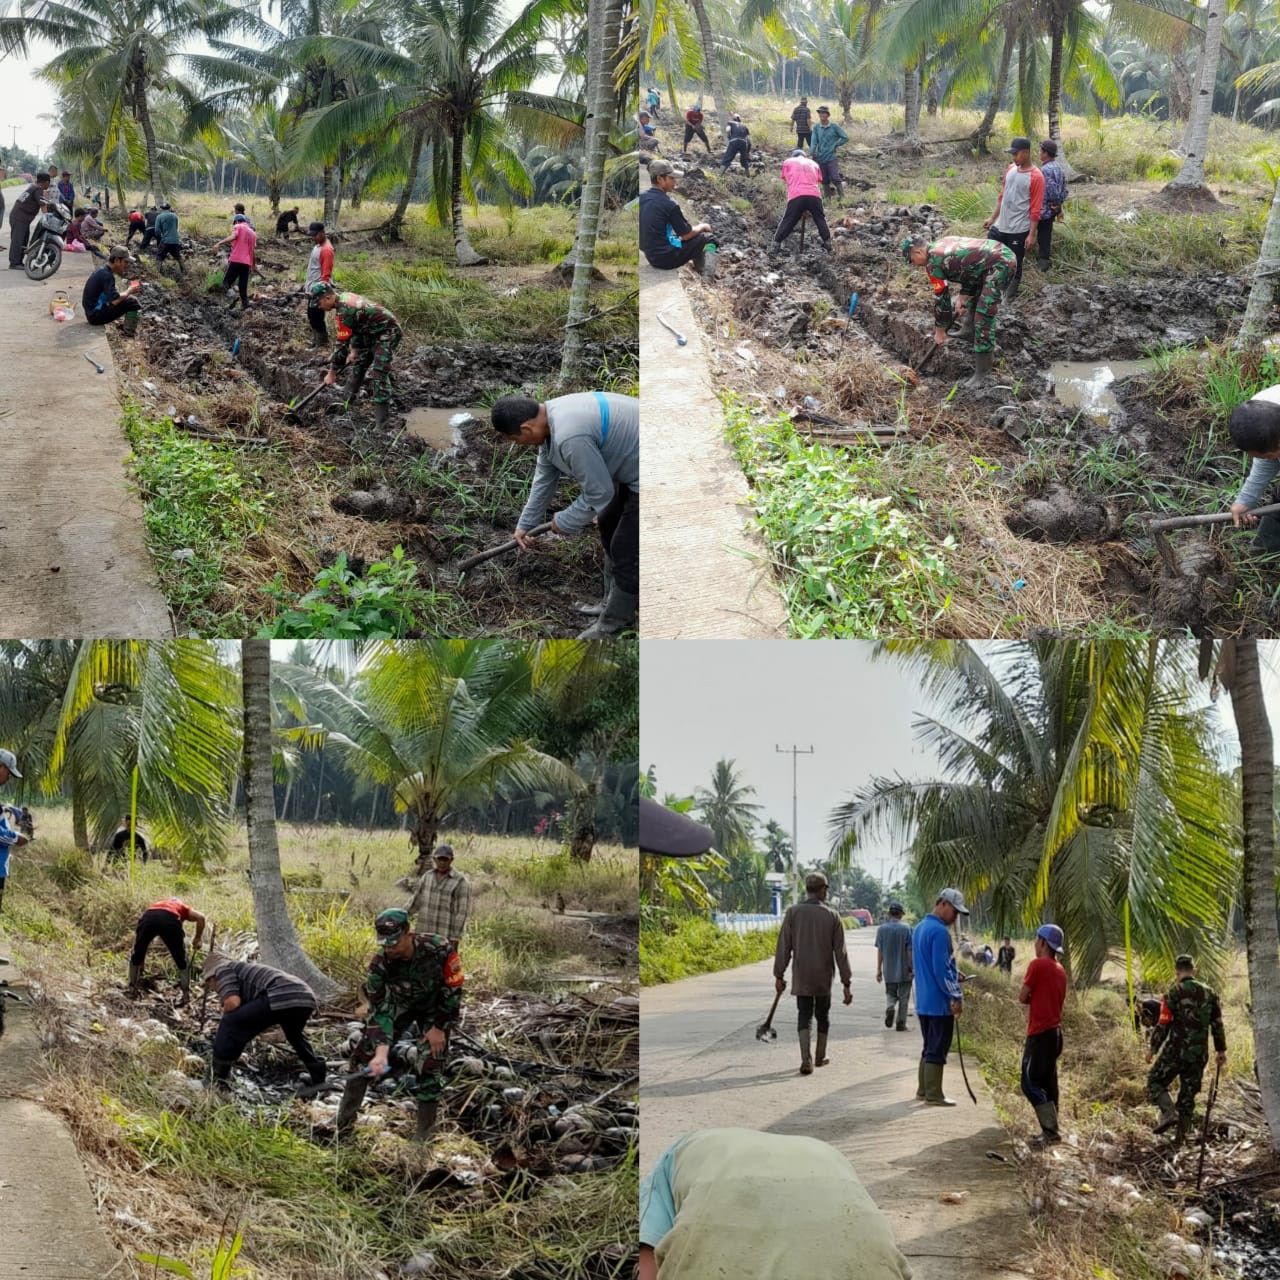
(321, 289)
(907, 245)
(391, 926)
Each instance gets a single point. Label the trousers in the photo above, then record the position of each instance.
(165, 926)
(897, 994)
(1040, 1054)
(619, 525)
(237, 1028)
(936, 1030)
(795, 210)
(809, 1006)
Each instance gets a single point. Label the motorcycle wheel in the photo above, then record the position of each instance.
(44, 261)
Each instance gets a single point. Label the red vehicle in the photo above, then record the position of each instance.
(863, 917)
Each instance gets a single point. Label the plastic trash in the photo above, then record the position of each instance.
(235, 347)
(171, 412)
(811, 402)
(62, 315)
(183, 553)
(779, 392)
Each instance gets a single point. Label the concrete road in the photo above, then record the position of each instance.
(701, 1066)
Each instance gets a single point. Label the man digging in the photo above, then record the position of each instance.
(374, 333)
(164, 920)
(804, 198)
(1254, 428)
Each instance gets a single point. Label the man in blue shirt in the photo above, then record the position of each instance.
(938, 998)
(103, 303)
(10, 837)
(893, 965)
(666, 237)
(1055, 196)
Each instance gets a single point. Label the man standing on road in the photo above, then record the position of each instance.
(1017, 211)
(802, 175)
(982, 269)
(164, 920)
(693, 129)
(319, 270)
(893, 966)
(66, 191)
(168, 237)
(666, 237)
(374, 333)
(827, 139)
(593, 437)
(442, 898)
(802, 118)
(938, 998)
(24, 212)
(1254, 428)
(103, 303)
(813, 934)
(1055, 196)
(10, 837)
(1180, 1044)
(1044, 991)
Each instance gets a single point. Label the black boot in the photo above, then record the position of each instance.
(1012, 291)
(982, 365)
(220, 1076)
(349, 1107)
(619, 615)
(381, 412)
(427, 1112)
(806, 1056)
(1168, 1116)
(135, 979)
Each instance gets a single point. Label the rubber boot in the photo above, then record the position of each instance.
(967, 323)
(774, 248)
(1168, 1116)
(220, 1075)
(933, 1095)
(1184, 1127)
(595, 610)
(806, 1058)
(135, 979)
(427, 1112)
(619, 615)
(1047, 1114)
(709, 262)
(1012, 291)
(381, 412)
(357, 381)
(820, 1058)
(184, 983)
(920, 1082)
(888, 1015)
(826, 246)
(982, 364)
(129, 325)
(349, 1107)
(318, 1070)
(1042, 263)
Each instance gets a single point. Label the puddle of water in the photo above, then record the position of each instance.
(439, 427)
(1089, 387)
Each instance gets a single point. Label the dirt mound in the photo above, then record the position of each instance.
(1061, 514)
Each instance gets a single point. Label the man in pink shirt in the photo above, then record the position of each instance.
(804, 196)
(1017, 212)
(243, 241)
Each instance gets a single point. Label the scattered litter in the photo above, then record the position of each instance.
(953, 1197)
(183, 553)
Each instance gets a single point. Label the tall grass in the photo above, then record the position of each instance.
(681, 946)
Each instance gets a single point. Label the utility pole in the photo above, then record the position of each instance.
(794, 752)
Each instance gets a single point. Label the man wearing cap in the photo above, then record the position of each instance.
(802, 118)
(1180, 1045)
(319, 271)
(375, 334)
(666, 237)
(827, 139)
(164, 920)
(103, 303)
(693, 129)
(893, 966)
(1044, 991)
(1055, 196)
(287, 218)
(938, 998)
(982, 269)
(442, 898)
(1017, 211)
(646, 137)
(149, 228)
(813, 934)
(802, 176)
(25, 209)
(254, 998)
(414, 987)
(167, 234)
(11, 836)
(738, 145)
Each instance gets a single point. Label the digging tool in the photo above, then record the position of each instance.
(1160, 529)
(472, 561)
(853, 302)
(307, 399)
(765, 1030)
(204, 994)
(964, 1074)
(681, 340)
(1204, 1131)
(928, 355)
(93, 362)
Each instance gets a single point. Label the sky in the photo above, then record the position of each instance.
(704, 700)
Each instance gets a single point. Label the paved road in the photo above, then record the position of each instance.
(701, 1066)
(71, 534)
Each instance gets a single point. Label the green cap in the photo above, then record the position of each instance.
(391, 926)
(320, 289)
(906, 248)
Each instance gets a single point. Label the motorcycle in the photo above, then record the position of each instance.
(43, 255)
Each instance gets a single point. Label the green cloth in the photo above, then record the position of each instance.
(167, 226)
(824, 141)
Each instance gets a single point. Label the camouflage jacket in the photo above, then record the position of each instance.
(963, 261)
(362, 320)
(426, 989)
(1190, 1012)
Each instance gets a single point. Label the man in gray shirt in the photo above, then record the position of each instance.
(893, 965)
(1018, 207)
(592, 437)
(1254, 428)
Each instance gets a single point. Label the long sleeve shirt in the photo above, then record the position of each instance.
(825, 141)
(937, 982)
(426, 989)
(1055, 190)
(1264, 471)
(812, 935)
(595, 440)
(360, 321)
(964, 261)
(253, 981)
(441, 904)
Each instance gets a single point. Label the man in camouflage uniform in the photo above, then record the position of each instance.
(1180, 1046)
(373, 331)
(415, 992)
(982, 269)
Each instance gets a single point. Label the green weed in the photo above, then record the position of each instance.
(674, 947)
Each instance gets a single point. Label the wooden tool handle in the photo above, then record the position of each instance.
(472, 561)
(1215, 517)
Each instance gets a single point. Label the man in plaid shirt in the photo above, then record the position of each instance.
(442, 899)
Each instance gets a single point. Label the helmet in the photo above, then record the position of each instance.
(391, 926)
(321, 289)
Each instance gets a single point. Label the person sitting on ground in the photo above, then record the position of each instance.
(288, 218)
(319, 271)
(594, 438)
(164, 920)
(137, 225)
(92, 228)
(802, 118)
(983, 270)
(802, 176)
(76, 234)
(824, 146)
(1055, 196)
(103, 303)
(714, 1202)
(693, 129)
(170, 242)
(1254, 428)
(373, 332)
(254, 998)
(646, 136)
(243, 241)
(739, 145)
(666, 237)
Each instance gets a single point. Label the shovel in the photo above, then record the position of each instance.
(1160, 530)
(765, 1030)
(292, 411)
(502, 549)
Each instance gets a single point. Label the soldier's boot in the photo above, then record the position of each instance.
(427, 1113)
(1047, 1114)
(381, 412)
(806, 1057)
(933, 1095)
(129, 325)
(889, 1012)
(357, 381)
(820, 1058)
(349, 1107)
(774, 248)
(1012, 291)
(920, 1082)
(967, 323)
(135, 979)
(220, 1076)
(982, 365)
(1184, 1127)
(1168, 1116)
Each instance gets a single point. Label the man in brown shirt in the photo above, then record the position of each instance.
(813, 934)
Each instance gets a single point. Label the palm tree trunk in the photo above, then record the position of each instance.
(987, 123)
(277, 941)
(328, 196)
(911, 104)
(465, 255)
(604, 23)
(712, 64)
(1262, 938)
(339, 183)
(1191, 176)
(1057, 34)
(931, 96)
(1257, 313)
(79, 821)
(315, 817)
(143, 114)
(396, 220)
(273, 190)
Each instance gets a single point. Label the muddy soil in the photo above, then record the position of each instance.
(186, 358)
(795, 303)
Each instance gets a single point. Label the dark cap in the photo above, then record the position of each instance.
(1184, 962)
(315, 228)
(1050, 148)
(670, 834)
(1019, 144)
(66, 173)
(661, 169)
(896, 908)
(824, 111)
(443, 851)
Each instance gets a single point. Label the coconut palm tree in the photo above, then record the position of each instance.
(1256, 324)
(1189, 180)
(262, 145)
(1079, 782)
(726, 809)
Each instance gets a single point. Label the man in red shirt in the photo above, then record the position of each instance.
(164, 920)
(1044, 990)
(693, 129)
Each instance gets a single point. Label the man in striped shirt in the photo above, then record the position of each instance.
(442, 899)
(255, 997)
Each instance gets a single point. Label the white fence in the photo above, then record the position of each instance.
(738, 922)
